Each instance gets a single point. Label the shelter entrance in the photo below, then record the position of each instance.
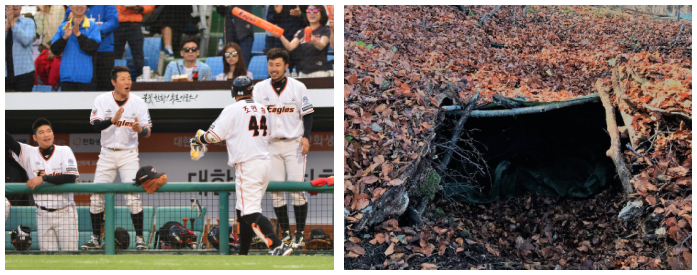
(559, 153)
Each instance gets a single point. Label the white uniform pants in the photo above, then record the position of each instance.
(126, 163)
(288, 165)
(57, 227)
(7, 209)
(252, 178)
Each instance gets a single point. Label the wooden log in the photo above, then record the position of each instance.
(615, 151)
(624, 101)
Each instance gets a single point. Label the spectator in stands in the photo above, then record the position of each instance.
(237, 30)
(130, 31)
(78, 40)
(107, 18)
(19, 35)
(47, 69)
(172, 21)
(47, 18)
(233, 63)
(291, 20)
(190, 52)
(314, 52)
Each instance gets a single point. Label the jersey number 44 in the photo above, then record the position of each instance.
(257, 127)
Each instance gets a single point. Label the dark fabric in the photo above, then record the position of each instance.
(138, 223)
(290, 24)
(15, 173)
(177, 17)
(121, 102)
(60, 179)
(20, 83)
(300, 216)
(12, 144)
(282, 215)
(246, 46)
(279, 86)
(312, 59)
(105, 63)
(264, 225)
(9, 61)
(131, 32)
(307, 123)
(96, 223)
(246, 235)
(58, 46)
(236, 28)
(87, 45)
(100, 125)
(48, 152)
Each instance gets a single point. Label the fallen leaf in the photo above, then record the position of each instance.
(353, 79)
(389, 250)
(427, 266)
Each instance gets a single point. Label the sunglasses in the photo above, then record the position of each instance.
(233, 54)
(312, 10)
(190, 50)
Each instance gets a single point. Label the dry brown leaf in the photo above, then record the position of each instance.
(428, 266)
(389, 250)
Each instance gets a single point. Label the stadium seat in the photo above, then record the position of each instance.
(331, 51)
(216, 64)
(330, 57)
(120, 62)
(259, 43)
(42, 88)
(151, 49)
(165, 214)
(258, 67)
(21, 215)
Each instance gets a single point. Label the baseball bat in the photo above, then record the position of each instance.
(261, 23)
(185, 220)
(152, 233)
(192, 223)
(206, 229)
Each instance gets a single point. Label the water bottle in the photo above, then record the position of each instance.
(287, 72)
(294, 74)
(220, 45)
(194, 73)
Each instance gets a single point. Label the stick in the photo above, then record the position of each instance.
(654, 109)
(458, 129)
(489, 15)
(615, 152)
(185, 220)
(152, 233)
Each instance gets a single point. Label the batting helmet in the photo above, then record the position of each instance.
(242, 85)
(180, 237)
(21, 238)
(214, 238)
(121, 238)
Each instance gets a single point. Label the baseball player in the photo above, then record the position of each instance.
(56, 216)
(243, 125)
(121, 118)
(290, 120)
(8, 205)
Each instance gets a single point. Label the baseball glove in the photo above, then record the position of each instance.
(197, 149)
(148, 177)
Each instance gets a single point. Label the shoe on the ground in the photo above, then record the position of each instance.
(93, 244)
(298, 240)
(169, 55)
(140, 243)
(281, 250)
(286, 237)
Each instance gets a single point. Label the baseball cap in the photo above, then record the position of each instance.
(146, 173)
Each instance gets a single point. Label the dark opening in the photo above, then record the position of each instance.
(555, 153)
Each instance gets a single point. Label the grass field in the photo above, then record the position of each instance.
(205, 262)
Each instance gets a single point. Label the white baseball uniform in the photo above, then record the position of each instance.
(56, 216)
(7, 209)
(243, 125)
(119, 146)
(286, 127)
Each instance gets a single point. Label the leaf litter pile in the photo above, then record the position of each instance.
(400, 64)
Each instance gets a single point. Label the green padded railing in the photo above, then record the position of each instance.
(109, 189)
